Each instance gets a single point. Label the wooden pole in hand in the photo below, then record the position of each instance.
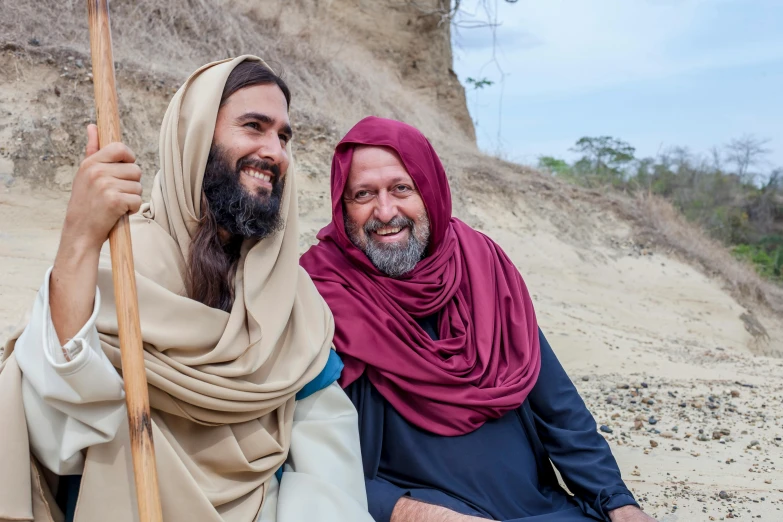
(136, 395)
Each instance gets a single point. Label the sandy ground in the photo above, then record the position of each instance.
(657, 349)
(663, 361)
(29, 234)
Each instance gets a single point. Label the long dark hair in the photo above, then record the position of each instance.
(212, 263)
(247, 74)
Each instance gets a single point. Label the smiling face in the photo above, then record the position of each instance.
(245, 173)
(385, 216)
(252, 130)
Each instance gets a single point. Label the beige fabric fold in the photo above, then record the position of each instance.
(222, 385)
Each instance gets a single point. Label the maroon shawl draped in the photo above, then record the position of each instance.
(488, 357)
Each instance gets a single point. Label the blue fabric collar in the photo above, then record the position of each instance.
(330, 373)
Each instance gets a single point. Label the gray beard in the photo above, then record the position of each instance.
(393, 260)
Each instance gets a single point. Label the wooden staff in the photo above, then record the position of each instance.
(133, 373)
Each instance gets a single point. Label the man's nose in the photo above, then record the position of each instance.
(386, 208)
(271, 149)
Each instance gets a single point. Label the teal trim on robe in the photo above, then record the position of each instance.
(330, 373)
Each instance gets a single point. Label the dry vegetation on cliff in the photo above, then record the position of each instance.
(343, 59)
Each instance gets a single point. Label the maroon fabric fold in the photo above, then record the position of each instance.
(488, 356)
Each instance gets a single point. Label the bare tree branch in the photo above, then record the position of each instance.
(747, 152)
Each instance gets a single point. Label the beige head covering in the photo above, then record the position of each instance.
(222, 385)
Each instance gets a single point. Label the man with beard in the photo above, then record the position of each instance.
(234, 333)
(463, 406)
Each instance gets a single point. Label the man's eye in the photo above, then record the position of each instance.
(253, 125)
(362, 194)
(403, 188)
(285, 139)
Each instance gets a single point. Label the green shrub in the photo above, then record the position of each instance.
(766, 264)
(730, 205)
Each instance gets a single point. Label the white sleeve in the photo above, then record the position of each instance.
(323, 478)
(69, 404)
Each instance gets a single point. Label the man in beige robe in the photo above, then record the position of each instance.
(234, 333)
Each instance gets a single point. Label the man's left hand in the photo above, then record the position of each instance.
(629, 514)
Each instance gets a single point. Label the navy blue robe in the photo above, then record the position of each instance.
(500, 471)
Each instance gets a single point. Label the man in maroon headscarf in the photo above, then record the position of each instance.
(462, 403)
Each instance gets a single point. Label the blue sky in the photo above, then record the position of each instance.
(656, 73)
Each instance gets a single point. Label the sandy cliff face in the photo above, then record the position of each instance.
(344, 59)
(633, 321)
(413, 38)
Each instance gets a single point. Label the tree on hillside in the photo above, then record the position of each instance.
(765, 205)
(745, 153)
(723, 191)
(603, 157)
(554, 166)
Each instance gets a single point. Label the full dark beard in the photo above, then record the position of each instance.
(396, 259)
(236, 210)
